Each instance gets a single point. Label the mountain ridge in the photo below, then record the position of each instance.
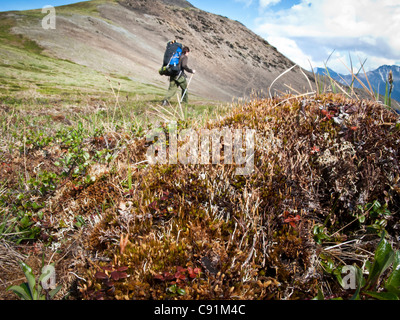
(377, 78)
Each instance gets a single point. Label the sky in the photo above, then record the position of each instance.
(7, 5)
(312, 33)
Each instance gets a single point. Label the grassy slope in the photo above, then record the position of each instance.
(26, 71)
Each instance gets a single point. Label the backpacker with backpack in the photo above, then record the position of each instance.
(172, 56)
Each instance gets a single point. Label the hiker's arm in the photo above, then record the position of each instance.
(185, 66)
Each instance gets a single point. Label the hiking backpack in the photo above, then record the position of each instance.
(172, 56)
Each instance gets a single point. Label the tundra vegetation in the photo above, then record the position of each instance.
(76, 191)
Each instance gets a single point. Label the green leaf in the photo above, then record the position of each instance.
(181, 292)
(384, 257)
(37, 294)
(339, 278)
(320, 296)
(30, 277)
(25, 222)
(21, 291)
(393, 282)
(383, 295)
(53, 292)
(172, 289)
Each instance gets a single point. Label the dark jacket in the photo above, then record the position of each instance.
(183, 64)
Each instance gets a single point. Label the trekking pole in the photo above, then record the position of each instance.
(187, 87)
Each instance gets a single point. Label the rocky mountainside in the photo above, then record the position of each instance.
(128, 37)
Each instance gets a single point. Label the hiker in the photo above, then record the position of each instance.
(179, 81)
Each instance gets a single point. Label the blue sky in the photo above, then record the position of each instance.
(7, 5)
(306, 31)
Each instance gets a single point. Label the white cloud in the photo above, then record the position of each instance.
(316, 27)
(266, 3)
(289, 48)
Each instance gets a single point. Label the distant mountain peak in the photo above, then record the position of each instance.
(377, 78)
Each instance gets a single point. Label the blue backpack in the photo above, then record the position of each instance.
(172, 56)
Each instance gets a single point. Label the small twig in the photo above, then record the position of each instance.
(180, 106)
(295, 97)
(269, 89)
(340, 244)
(251, 252)
(308, 80)
(80, 278)
(154, 108)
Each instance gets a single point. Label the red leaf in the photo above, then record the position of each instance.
(197, 270)
(285, 214)
(159, 277)
(168, 276)
(123, 275)
(101, 276)
(165, 196)
(122, 269)
(182, 277)
(292, 220)
(179, 276)
(192, 275)
(180, 269)
(315, 150)
(115, 275)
